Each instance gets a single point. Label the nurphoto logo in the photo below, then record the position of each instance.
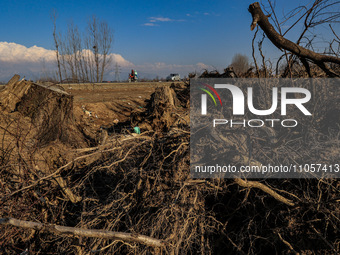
(238, 107)
(235, 123)
(239, 99)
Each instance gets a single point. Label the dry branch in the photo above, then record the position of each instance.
(52, 175)
(97, 233)
(255, 184)
(282, 43)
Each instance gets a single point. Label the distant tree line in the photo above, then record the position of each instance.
(83, 57)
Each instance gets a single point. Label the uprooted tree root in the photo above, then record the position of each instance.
(135, 187)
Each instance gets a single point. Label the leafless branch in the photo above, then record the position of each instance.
(282, 43)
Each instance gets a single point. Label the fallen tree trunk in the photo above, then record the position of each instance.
(282, 43)
(97, 233)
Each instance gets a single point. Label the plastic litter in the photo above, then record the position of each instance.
(137, 130)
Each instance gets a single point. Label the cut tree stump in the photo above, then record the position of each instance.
(43, 128)
(160, 111)
(49, 108)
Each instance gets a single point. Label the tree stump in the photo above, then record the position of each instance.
(49, 108)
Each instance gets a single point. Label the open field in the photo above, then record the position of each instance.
(109, 92)
(110, 101)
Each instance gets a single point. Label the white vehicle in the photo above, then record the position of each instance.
(173, 77)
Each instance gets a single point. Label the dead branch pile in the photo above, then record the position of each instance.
(228, 73)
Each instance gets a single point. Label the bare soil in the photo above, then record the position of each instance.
(110, 101)
(112, 92)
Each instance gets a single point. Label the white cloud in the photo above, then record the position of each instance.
(117, 58)
(152, 21)
(161, 19)
(150, 24)
(200, 14)
(12, 52)
(35, 61)
(203, 66)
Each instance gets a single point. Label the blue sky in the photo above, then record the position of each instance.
(181, 35)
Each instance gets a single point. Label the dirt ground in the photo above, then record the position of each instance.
(112, 92)
(107, 102)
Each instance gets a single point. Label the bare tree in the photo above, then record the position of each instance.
(106, 39)
(84, 57)
(99, 40)
(56, 41)
(320, 12)
(92, 44)
(74, 51)
(240, 63)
